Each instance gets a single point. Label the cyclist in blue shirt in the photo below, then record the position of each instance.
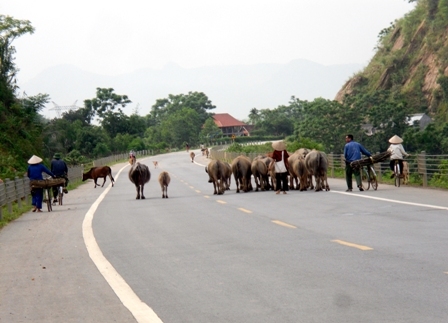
(352, 152)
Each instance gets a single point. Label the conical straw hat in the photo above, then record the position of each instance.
(34, 160)
(279, 145)
(395, 140)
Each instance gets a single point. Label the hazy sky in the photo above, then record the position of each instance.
(113, 37)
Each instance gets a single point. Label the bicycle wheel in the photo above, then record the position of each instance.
(365, 178)
(60, 195)
(49, 207)
(373, 179)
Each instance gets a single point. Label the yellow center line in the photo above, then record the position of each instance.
(284, 224)
(191, 187)
(244, 210)
(206, 196)
(198, 191)
(349, 244)
(446, 272)
(221, 202)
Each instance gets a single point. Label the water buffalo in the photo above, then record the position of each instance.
(268, 160)
(139, 174)
(98, 172)
(228, 175)
(164, 181)
(216, 171)
(241, 169)
(260, 173)
(316, 163)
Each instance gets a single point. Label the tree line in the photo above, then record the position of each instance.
(100, 127)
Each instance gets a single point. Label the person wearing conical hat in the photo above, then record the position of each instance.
(34, 172)
(280, 156)
(397, 153)
(59, 169)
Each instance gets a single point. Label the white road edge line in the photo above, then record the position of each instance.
(393, 201)
(140, 310)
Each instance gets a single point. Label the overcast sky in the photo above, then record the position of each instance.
(113, 37)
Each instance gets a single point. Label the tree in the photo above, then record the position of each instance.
(197, 101)
(106, 100)
(181, 126)
(209, 131)
(10, 29)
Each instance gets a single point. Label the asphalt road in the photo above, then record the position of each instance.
(373, 256)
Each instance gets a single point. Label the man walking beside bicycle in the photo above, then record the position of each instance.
(352, 152)
(59, 169)
(397, 153)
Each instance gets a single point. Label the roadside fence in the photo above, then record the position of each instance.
(18, 190)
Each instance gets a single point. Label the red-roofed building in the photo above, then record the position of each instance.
(230, 126)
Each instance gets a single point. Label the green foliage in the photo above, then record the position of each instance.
(304, 143)
(440, 178)
(74, 158)
(239, 148)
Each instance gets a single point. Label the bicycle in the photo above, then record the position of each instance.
(60, 195)
(368, 177)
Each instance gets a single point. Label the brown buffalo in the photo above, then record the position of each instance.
(98, 172)
(241, 169)
(216, 172)
(316, 163)
(297, 169)
(260, 173)
(192, 155)
(228, 175)
(164, 181)
(267, 160)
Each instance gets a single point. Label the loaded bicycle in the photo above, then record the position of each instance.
(367, 171)
(47, 186)
(368, 177)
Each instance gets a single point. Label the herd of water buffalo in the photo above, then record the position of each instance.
(303, 165)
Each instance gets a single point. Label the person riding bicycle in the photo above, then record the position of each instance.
(132, 155)
(397, 152)
(59, 169)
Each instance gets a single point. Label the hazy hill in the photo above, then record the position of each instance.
(233, 89)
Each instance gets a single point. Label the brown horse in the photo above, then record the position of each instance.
(139, 174)
(98, 172)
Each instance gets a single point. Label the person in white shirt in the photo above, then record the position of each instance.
(397, 153)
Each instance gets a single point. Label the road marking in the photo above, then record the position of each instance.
(197, 191)
(191, 187)
(349, 244)
(140, 310)
(394, 201)
(284, 224)
(244, 210)
(221, 202)
(206, 196)
(446, 272)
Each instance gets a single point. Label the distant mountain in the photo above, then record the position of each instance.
(233, 89)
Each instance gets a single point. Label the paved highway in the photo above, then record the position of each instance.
(373, 256)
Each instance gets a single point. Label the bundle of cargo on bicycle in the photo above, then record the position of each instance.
(46, 183)
(377, 158)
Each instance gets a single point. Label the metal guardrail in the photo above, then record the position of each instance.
(18, 190)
